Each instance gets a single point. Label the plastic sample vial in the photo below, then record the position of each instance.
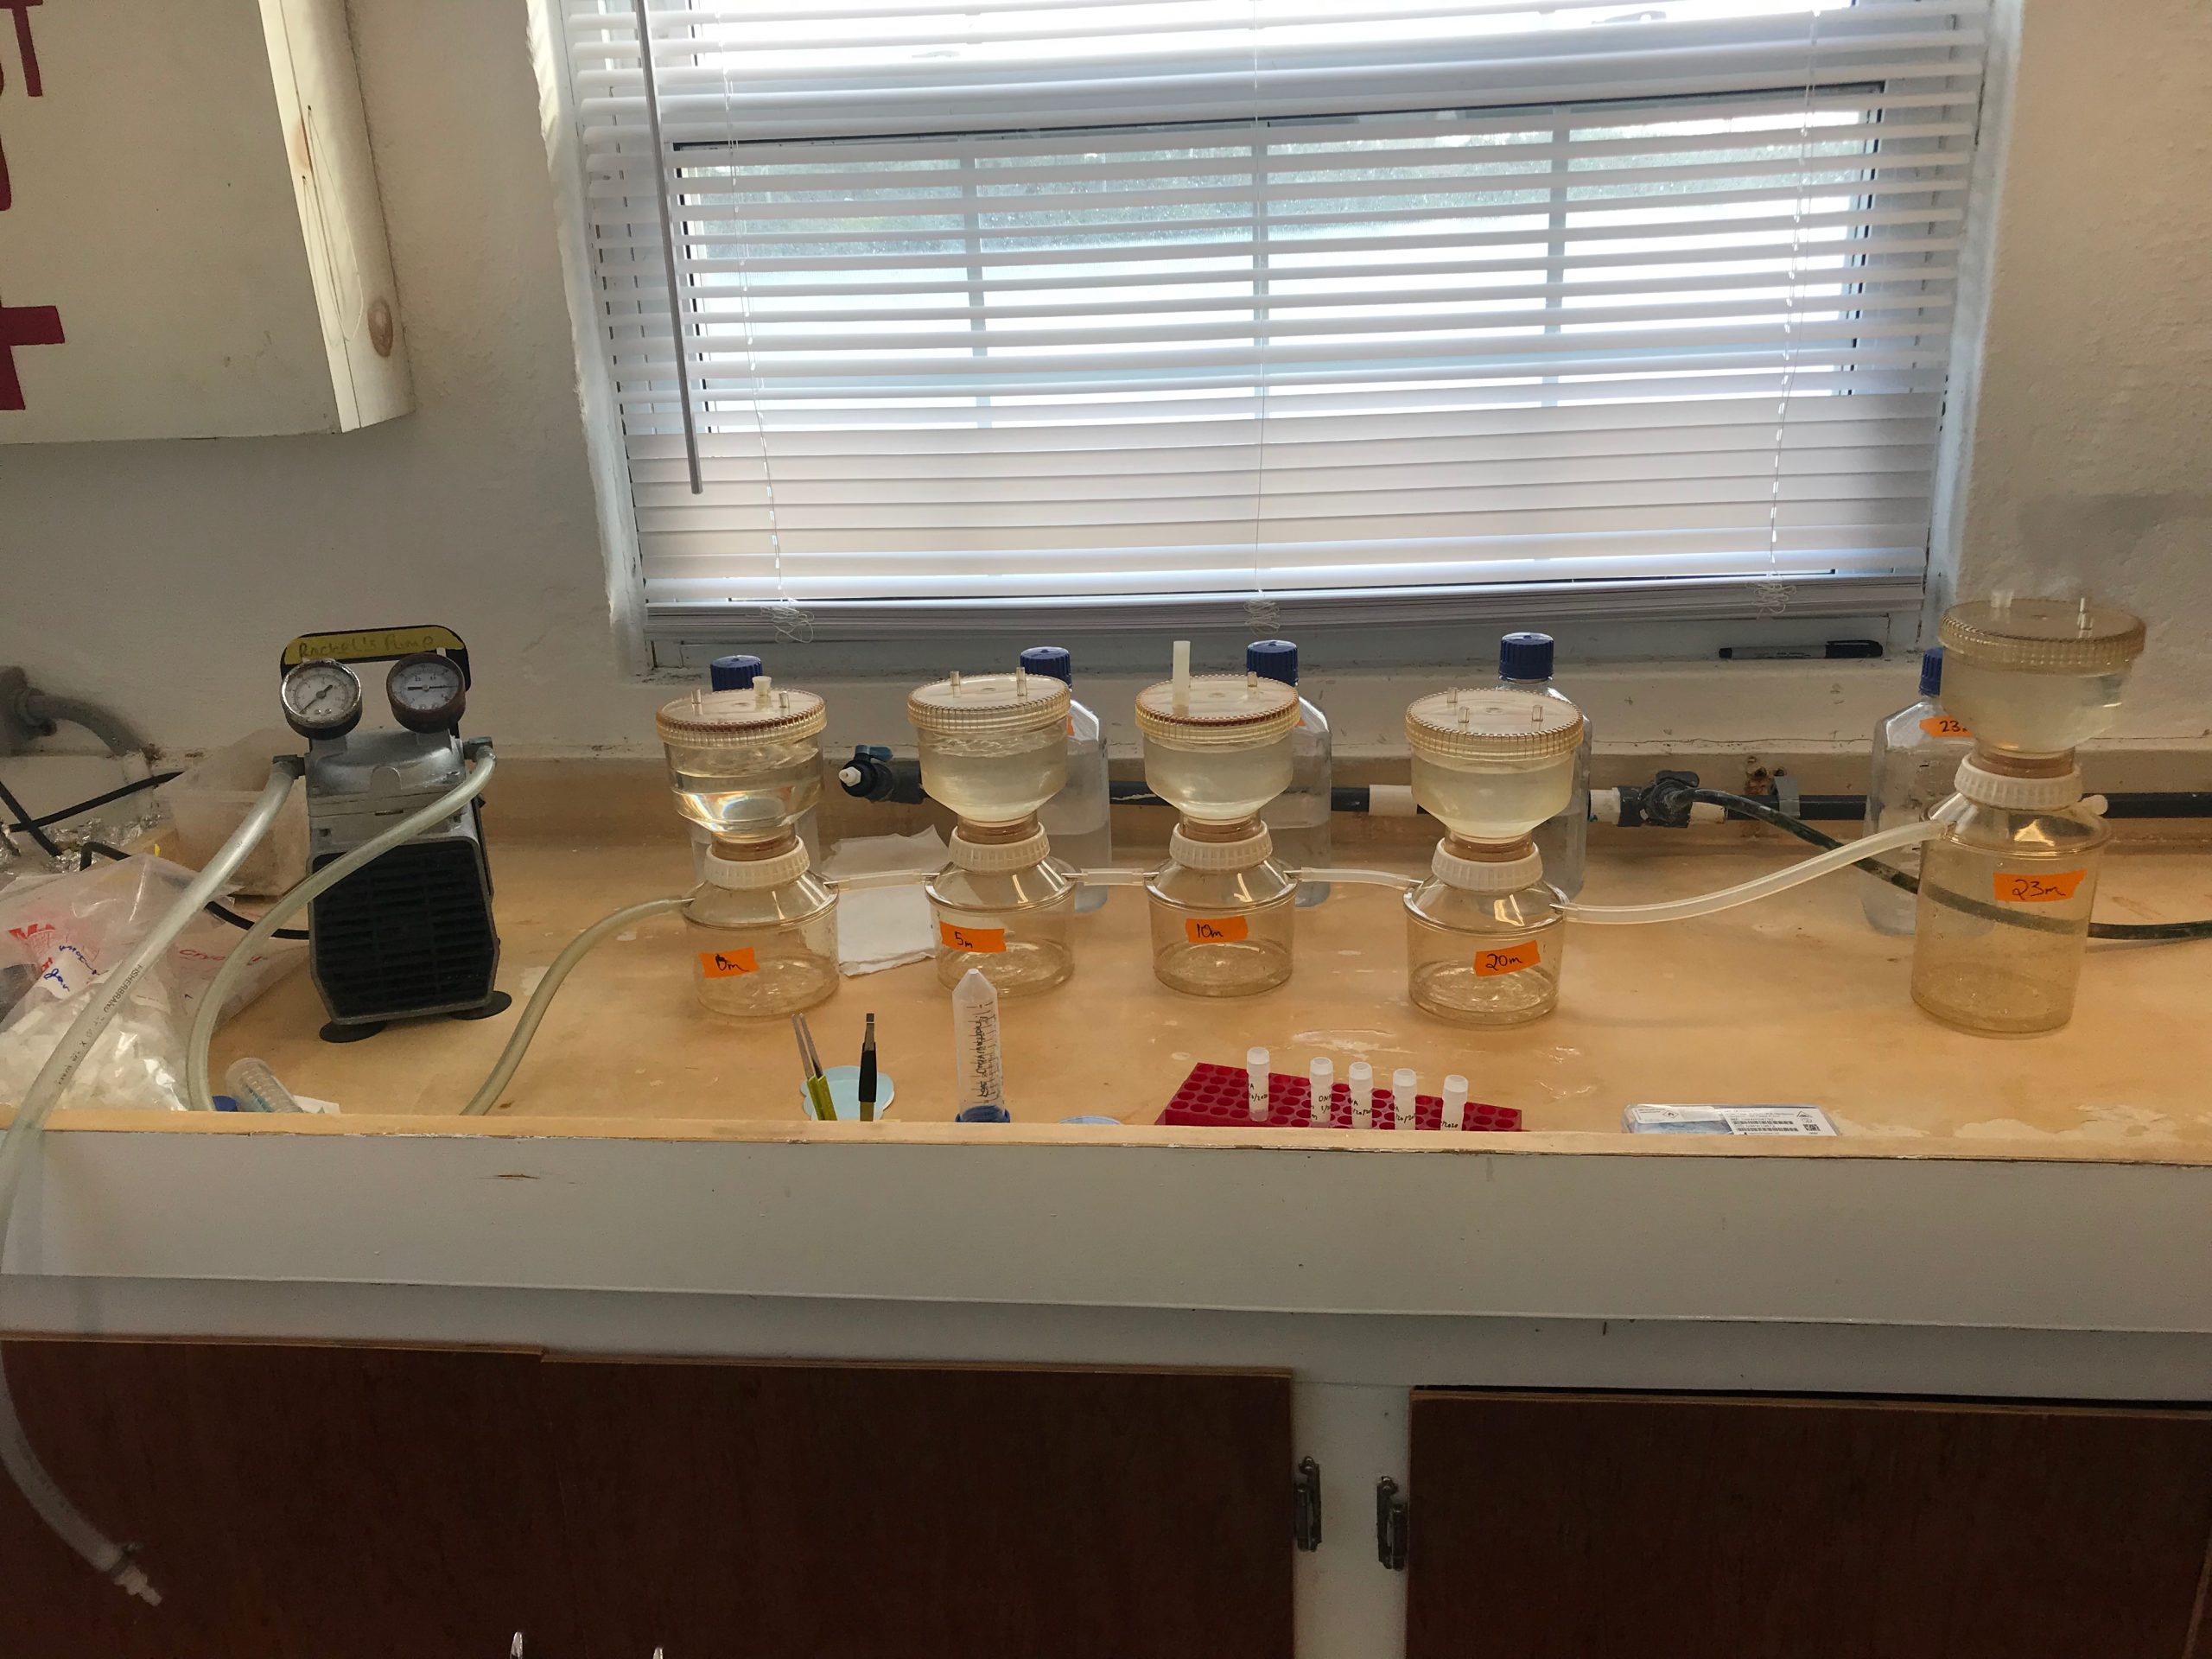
(2006, 892)
(976, 1065)
(1524, 663)
(1217, 748)
(763, 932)
(1483, 933)
(1321, 1080)
(1455, 1101)
(745, 765)
(1256, 1084)
(1079, 818)
(993, 749)
(1404, 1088)
(1916, 758)
(1359, 1077)
(1299, 818)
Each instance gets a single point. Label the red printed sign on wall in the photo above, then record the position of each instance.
(20, 325)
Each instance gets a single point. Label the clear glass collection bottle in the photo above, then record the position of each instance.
(1479, 956)
(1079, 818)
(763, 933)
(2002, 921)
(1298, 818)
(1525, 663)
(1222, 914)
(1004, 905)
(1916, 758)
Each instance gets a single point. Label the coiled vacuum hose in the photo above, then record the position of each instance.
(111, 1559)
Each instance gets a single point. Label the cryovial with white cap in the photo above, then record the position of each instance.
(2002, 919)
(1483, 932)
(1217, 748)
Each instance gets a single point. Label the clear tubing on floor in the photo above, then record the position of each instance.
(109, 1559)
(526, 1027)
(1675, 910)
(198, 1093)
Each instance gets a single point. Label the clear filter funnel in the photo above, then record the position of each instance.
(994, 747)
(745, 764)
(2035, 678)
(1218, 746)
(1491, 766)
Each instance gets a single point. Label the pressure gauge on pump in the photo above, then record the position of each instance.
(428, 692)
(323, 699)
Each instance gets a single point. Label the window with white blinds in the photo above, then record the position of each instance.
(1142, 303)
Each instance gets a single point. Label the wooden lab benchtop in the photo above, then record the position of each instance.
(1791, 999)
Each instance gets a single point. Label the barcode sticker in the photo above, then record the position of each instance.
(1215, 930)
(1507, 959)
(981, 941)
(2018, 887)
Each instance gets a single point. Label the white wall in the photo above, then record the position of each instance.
(163, 577)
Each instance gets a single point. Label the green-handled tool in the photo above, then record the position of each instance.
(817, 1086)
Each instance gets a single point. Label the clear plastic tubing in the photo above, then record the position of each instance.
(1840, 858)
(198, 1095)
(526, 1027)
(109, 1559)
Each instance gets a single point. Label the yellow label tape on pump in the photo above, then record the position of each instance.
(984, 941)
(728, 964)
(1507, 959)
(371, 644)
(1945, 726)
(2014, 887)
(1215, 930)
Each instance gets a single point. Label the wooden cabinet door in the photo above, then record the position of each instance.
(886, 1512)
(1592, 1526)
(292, 1502)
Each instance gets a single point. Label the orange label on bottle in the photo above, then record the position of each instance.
(728, 964)
(1945, 726)
(2016, 888)
(984, 941)
(1507, 959)
(1215, 930)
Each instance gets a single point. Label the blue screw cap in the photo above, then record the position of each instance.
(733, 673)
(1054, 661)
(984, 1114)
(1931, 670)
(1273, 660)
(1525, 657)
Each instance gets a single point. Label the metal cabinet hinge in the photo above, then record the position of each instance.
(1305, 1506)
(1390, 1525)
